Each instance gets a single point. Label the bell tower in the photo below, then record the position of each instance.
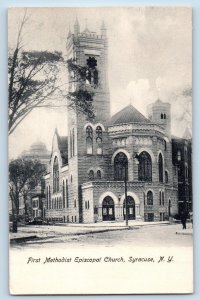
(86, 136)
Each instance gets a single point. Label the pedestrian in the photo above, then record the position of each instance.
(184, 219)
(191, 218)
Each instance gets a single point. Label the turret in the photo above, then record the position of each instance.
(160, 113)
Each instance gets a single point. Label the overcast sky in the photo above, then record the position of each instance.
(150, 57)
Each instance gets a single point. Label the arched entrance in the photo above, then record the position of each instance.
(130, 208)
(108, 209)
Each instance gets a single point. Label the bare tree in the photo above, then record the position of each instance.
(32, 78)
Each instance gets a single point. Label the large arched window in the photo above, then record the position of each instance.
(89, 140)
(144, 167)
(160, 167)
(55, 175)
(92, 72)
(120, 167)
(99, 140)
(149, 198)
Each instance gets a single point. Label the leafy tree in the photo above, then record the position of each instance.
(24, 175)
(32, 78)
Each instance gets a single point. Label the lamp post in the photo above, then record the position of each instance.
(125, 187)
(136, 158)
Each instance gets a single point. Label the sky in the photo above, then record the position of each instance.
(149, 57)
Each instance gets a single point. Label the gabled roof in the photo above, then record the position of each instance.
(129, 114)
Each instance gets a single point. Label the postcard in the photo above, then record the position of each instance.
(100, 150)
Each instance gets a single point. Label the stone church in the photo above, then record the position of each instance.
(92, 165)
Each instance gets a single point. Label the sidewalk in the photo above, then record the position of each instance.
(31, 232)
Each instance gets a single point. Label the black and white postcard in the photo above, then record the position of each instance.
(100, 150)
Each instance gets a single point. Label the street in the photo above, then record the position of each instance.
(137, 236)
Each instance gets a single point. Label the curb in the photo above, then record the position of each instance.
(23, 239)
(35, 237)
(184, 233)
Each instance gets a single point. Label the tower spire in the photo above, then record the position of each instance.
(69, 32)
(76, 27)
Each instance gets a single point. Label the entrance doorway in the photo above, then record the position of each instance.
(130, 208)
(108, 209)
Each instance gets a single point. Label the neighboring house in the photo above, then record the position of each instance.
(35, 204)
(182, 158)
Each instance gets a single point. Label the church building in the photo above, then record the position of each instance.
(90, 166)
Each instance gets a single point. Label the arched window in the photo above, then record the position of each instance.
(73, 151)
(70, 143)
(50, 197)
(161, 116)
(160, 197)
(163, 198)
(91, 72)
(47, 196)
(99, 140)
(98, 174)
(120, 167)
(166, 177)
(164, 116)
(160, 167)
(149, 198)
(55, 175)
(165, 145)
(89, 140)
(63, 194)
(144, 167)
(91, 175)
(67, 196)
